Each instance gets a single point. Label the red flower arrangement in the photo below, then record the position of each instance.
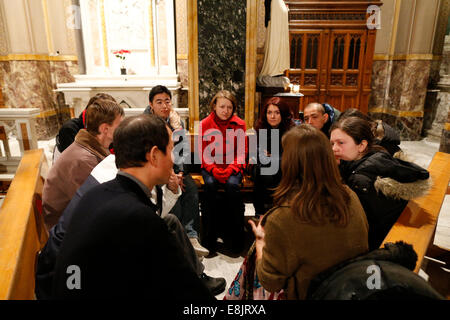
(121, 54)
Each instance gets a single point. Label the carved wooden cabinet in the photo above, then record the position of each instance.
(331, 52)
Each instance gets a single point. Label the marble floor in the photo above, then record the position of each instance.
(226, 265)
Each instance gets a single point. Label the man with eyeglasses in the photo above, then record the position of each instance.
(186, 208)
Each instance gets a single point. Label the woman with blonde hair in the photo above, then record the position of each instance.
(223, 150)
(316, 222)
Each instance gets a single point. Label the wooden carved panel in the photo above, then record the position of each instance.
(331, 51)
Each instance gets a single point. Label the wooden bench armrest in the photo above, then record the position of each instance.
(247, 183)
(417, 223)
(22, 229)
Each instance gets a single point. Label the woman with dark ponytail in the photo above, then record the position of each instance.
(383, 184)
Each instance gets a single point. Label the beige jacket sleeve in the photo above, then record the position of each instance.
(278, 263)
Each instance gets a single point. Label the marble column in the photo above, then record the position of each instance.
(30, 84)
(444, 101)
(445, 137)
(442, 119)
(221, 51)
(399, 88)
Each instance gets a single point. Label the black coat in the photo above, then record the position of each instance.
(394, 264)
(382, 208)
(68, 131)
(390, 140)
(124, 250)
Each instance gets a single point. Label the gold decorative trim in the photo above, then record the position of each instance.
(182, 56)
(48, 30)
(413, 56)
(398, 113)
(447, 126)
(25, 140)
(37, 57)
(250, 62)
(46, 114)
(152, 38)
(105, 44)
(193, 101)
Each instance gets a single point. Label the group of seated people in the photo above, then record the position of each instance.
(125, 215)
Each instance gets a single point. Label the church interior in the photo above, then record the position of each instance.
(390, 59)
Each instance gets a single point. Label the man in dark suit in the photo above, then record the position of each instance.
(122, 248)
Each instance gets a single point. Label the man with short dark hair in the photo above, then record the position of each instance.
(66, 135)
(77, 161)
(122, 248)
(320, 116)
(164, 197)
(187, 206)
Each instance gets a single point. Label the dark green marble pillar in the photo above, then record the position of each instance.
(221, 51)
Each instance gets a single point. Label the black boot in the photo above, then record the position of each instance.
(215, 285)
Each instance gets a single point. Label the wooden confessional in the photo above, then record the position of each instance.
(331, 52)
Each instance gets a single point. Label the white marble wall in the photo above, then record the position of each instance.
(144, 27)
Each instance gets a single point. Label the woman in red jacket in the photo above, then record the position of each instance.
(223, 150)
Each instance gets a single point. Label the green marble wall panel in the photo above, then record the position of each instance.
(221, 51)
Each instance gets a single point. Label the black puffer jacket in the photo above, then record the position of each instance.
(387, 137)
(383, 274)
(68, 131)
(384, 186)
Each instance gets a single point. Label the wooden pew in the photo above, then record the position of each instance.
(246, 186)
(417, 223)
(247, 183)
(22, 230)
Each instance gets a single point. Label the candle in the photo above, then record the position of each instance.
(290, 87)
(296, 88)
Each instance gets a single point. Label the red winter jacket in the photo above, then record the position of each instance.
(210, 128)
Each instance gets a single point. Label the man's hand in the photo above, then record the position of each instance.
(181, 181)
(173, 183)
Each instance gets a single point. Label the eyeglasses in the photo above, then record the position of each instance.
(160, 103)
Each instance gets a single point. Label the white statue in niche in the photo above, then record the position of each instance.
(276, 58)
